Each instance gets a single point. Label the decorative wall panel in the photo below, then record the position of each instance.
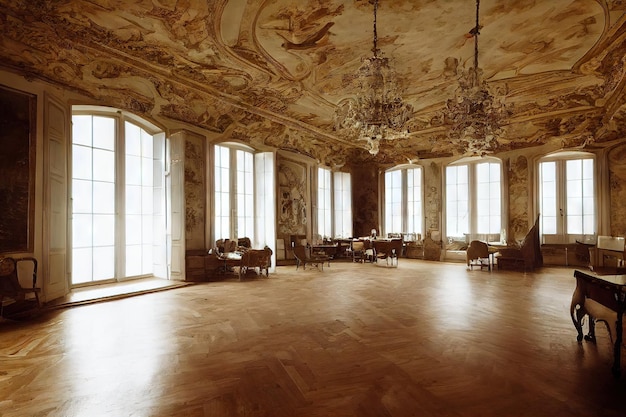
(365, 199)
(617, 181)
(17, 170)
(519, 184)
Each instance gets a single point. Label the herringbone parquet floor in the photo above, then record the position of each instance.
(425, 339)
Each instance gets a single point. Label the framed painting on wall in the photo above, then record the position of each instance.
(18, 111)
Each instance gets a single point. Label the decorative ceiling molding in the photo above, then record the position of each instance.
(272, 73)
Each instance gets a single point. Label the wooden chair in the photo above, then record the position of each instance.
(256, 258)
(389, 250)
(527, 256)
(357, 248)
(17, 301)
(303, 256)
(477, 254)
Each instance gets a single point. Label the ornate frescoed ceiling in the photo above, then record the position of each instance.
(272, 72)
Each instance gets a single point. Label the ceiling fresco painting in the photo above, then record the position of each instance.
(272, 72)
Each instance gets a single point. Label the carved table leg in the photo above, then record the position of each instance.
(577, 309)
(617, 349)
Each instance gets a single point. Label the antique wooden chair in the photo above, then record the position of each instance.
(17, 301)
(256, 258)
(389, 250)
(477, 254)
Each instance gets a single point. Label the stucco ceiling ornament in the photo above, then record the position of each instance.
(477, 112)
(378, 111)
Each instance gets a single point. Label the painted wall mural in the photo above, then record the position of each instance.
(195, 193)
(293, 198)
(617, 181)
(17, 170)
(365, 200)
(432, 198)
(518, 199)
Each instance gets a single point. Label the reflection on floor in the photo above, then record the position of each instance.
(114, 291)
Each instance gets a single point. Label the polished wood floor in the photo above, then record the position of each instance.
(425, 339)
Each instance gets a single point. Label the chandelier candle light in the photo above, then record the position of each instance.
(476, 113)
(378, 111)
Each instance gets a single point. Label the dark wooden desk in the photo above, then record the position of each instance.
(607, 288)
(323, 253)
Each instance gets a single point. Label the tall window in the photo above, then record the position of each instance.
(403, 200)
(343, 204)
(334, 203)
(567, 197)
(234, 192)
(113, 204)
(139, 200)
(474, 200)
(324, 203)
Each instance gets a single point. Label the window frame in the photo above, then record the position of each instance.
(473, 233)
(233, 192)
(120, 245)
(338, 207)
(403, 217)
(560, 212)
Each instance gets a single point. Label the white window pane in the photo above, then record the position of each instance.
(147, 231)
(147, 145)
(81, 196)
(133, 199)
(548, 225)
(103, 263)
(549, 190)
(133, 229)
(574, 207)
(81, 130)
(133, 260)
(104, 133)
(82, 232)
(589, 206)
(133, 170)
(549, 207)
(588, 169)
(574, 189)
(451, 175)
(575, 225)
(82, 265)
(574, 170)
(587, 188)
(147, 174)
(147, 201)
(589, 224)
(494, 190)
(133, 139)
(103, 229)
(548, 172)
(147, 259)
(81, 162)
(103, 165)
(104, 197)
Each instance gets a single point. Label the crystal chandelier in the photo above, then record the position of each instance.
(377, 112)
(477, 111)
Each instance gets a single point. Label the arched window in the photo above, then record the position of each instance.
(403, 200)
(117, 194)
(474, 200)
(567, 196)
